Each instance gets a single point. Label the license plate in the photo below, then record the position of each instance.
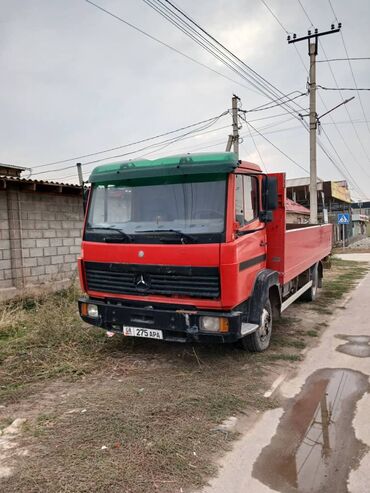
(138, 332)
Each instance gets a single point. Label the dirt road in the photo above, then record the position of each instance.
(318, 441)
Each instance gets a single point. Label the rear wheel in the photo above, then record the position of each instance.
(311, 293)
(260, 339)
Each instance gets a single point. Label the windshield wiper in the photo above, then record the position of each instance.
(184, 236)
(107, 239)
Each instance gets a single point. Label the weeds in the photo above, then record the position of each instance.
(312, 333)
(154, 406)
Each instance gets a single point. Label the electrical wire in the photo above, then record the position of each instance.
(350, 67)
(75, 158)
(342, 59)
(255, 79)
(257, 149)
(264, 107)
(274, 145)
(136, 150)
(341, 95)
(159, 41)
(218, 142)
(322, 101)
(344, 89)
(305, 12)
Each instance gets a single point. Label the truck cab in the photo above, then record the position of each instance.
(190, 248)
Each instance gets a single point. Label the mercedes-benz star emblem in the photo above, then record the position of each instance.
(142, 282)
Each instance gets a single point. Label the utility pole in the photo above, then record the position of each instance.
(233, 140)
(313, 43)
(313, 133)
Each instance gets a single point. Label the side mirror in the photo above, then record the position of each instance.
(270, 199)
(266, 216)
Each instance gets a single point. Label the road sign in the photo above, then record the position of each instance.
(343, 218)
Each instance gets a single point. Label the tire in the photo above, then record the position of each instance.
(311, 293)
(260, 339)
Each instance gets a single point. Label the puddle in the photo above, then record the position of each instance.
(358, 346)
(314, 447)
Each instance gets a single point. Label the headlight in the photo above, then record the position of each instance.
(214, 324)
(92, 311)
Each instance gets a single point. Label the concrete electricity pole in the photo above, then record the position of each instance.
(313, 40)
(313, 133)
(233, 140)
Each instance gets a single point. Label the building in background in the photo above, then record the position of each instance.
(296, 213)
(333, 197)
(40, 232)
(363, 209)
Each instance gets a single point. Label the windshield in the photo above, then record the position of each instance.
(155, 213)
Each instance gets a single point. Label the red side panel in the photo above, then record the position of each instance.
(304, 247)
(292, 252)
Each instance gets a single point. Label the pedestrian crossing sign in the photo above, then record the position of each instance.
(343, 218)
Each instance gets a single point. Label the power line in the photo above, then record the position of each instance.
(257, 149)
(274, 145)
(330, 116)
(346, 176)
(157, 40)
(165, 12)
(345, 107)
(275, 16)
(344, 89)
(137, 150)
(351, 69)
(219, 142)
(305, 12)
(342, 59)
(75, 158)
(264, 86)
(264, 107)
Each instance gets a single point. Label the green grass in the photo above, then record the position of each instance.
(312, 333)
(155, 406)
(45, 338)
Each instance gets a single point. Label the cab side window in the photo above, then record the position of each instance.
(250, 197)
(239, 200)
(246, 199)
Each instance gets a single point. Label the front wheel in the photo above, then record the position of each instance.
(260, 339)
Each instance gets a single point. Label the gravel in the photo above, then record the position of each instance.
(364, 243)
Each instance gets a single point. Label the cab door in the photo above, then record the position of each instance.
(250, 243)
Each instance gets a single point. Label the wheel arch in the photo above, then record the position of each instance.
(266, 287)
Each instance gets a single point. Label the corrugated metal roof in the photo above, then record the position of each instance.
(291, 206)
(12, 166)
(38, 182)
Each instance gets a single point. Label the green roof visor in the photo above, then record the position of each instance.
(188, 164)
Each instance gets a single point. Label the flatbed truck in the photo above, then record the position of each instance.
(194, 248)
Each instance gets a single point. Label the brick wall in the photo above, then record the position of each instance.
(5, 263)
(39, 238)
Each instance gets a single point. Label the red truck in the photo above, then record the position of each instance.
(194, 248)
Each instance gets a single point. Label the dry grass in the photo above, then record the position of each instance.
(154, 405)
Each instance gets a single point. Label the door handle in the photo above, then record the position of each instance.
(263, 243)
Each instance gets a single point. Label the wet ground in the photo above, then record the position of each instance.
(315, 447)
(358, 346)
(318, 441)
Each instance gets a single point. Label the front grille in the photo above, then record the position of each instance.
(167, 280)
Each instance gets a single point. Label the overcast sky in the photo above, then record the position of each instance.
(76, 81)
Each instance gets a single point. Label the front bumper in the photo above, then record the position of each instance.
(177, 323)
